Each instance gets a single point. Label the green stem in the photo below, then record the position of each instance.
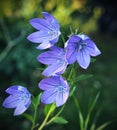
(71, 72)
(34, 118)
(10, 43)
(55, 116)
(46, 118)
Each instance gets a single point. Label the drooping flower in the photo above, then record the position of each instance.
(55, 89)
(49, 31)
(80, 47)
(19, 98)
(56, 59)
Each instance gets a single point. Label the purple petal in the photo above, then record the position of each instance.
(48, 96)
(49, 83)
(27, 103)
(44, 45)
(48, 57)
(55, 40)
(40, 24)
(20, 109)
(61, 98)
(51, 19)
(83, 58)
(57, 50)
(12, 89)
(53, 69)
(92, 48)
(12, 101)
(71, 53)
(83, 36)
(39, 36)
(72, 41)
(53, 56)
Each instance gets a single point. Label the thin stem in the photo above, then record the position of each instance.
(5, 30)
(5, 52)
(34, 118)
(46, 118)
(71, 72)
(10, 43)
(55, 116)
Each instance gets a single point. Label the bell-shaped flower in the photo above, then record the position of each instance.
(81, 48)
(56, 59)
(56, 90)
(19, 98)
(49, 31)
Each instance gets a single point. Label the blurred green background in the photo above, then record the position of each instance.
(18, 56)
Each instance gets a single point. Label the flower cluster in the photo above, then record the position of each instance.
(78, 47)
(56, 89)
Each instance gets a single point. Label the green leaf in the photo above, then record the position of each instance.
(27, 116)
(47, 108)
(84, 76)
(93, 126)
(103, 125)
(91, 109)
(60, 120)
(36, 100)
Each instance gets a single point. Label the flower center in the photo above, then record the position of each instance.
(25, 96)
(54, 33)
(81, 44)
(61, 88)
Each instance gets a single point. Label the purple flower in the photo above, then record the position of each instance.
(80, 48)
(19, 98)
(55, 89)
(56, 59)
(49, 31)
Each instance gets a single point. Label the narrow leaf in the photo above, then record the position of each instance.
(84, 76)
(91, 109)
(60, 120)
(103, 125)
(36, 100)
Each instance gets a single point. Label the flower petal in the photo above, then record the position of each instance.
(21, 108)
(61, 98)
(44, 45)
(12, 89)
(92, 48)
(40, 24)
(53, 56)
(39, 36)
(73, 41)
(48, 96)
(12, 101)
(51, 20)
(53, 69)
(71, 53)
(83, 36)
(49, 83)
(48, 57)
(83, 58)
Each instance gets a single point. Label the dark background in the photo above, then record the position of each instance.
(19, 65)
